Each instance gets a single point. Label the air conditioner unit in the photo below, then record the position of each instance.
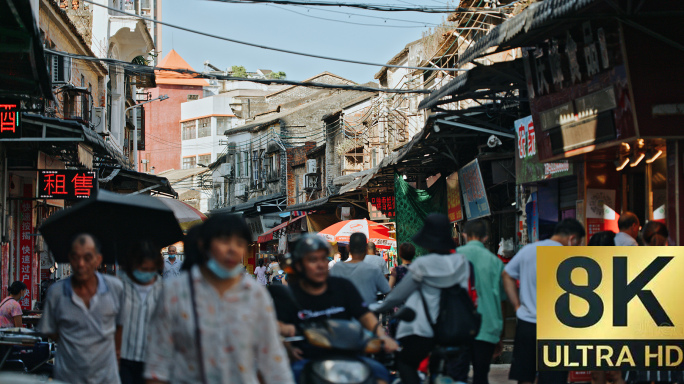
(99, 121)
(311, 166)
(225, 169)
(217, 177)
(240, 189)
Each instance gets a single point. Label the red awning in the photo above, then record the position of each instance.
(268, 235)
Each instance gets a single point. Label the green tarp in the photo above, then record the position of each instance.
(413, 205)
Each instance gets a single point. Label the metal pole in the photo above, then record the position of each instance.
(135, 139)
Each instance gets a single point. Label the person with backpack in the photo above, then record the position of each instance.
(523, 267)
(434, 283)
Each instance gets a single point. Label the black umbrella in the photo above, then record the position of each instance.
(115, 220)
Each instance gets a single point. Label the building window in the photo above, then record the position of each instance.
(204, 127)
(189, 162)
(60, 69)
(204, 159)
(245, 164)
(189, 131)
(255, 165)
(222, 125)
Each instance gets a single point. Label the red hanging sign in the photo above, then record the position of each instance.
(26, 264)
(9, 120)
(66, 184)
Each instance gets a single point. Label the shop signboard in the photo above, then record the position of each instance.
(454, 208)
(10, 127)
(381, 207)
(64, 184)
(474, 192)
(578, 87)
(532, 210)
(26, 264)
(528, 168)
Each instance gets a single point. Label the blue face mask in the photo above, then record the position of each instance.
(144, 277)
(172, 256)
(221, 272)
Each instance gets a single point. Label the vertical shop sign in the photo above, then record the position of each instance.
(26, 265)
(474, 193)
(454, 208)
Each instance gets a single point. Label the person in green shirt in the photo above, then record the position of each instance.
(488, 269)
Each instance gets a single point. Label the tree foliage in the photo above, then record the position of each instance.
(278, 75)
(238, 71)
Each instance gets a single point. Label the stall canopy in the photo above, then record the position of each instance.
(268, 235)
(23, 70)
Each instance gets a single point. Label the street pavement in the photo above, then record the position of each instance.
(498, 374)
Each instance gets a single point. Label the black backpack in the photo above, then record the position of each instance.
(458, 321)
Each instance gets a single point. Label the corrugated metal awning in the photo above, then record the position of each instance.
(535, 16)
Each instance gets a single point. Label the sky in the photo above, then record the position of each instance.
(276, 26)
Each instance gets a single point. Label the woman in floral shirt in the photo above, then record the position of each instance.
(238, 334)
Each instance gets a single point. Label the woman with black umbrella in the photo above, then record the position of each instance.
(214, 324)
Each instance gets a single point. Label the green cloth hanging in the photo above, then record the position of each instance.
(413, 205)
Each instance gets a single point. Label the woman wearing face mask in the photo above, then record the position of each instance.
(10, 309)
(142, 289)
(214, 324)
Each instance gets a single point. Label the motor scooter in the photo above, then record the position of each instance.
(342, 341)
(23, 350)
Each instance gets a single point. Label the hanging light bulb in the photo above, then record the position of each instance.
(640, 156)
(653, 156)
(619, 166)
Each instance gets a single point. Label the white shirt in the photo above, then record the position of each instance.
(624, 240)
(171, 269)
(523, 267)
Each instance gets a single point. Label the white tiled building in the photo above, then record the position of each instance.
(203, 125)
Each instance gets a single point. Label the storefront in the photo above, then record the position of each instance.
(590, 106)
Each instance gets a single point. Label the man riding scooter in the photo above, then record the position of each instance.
(320, 297)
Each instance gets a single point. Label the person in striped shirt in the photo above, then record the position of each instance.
(142, 289)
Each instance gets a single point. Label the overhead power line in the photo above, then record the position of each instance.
(370, 7)
(273, 48)
(143, 69)
(348, 22)
(369, 16)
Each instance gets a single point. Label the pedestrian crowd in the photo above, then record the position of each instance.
(204, 320)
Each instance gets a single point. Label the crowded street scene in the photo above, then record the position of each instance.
(341, 191)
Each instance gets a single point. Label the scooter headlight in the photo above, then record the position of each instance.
(342, 371)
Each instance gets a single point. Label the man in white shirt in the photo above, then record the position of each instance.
(629, 226)
(171, 265)
(373, 258)
(523, 267)
(335, 260)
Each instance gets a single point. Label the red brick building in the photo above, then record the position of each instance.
(162, 119)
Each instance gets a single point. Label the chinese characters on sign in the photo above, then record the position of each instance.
(25, 271)
(454, 198)
(9, 120)
(66, 184)
(474, 194)
(381, 207)
(527, 165)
